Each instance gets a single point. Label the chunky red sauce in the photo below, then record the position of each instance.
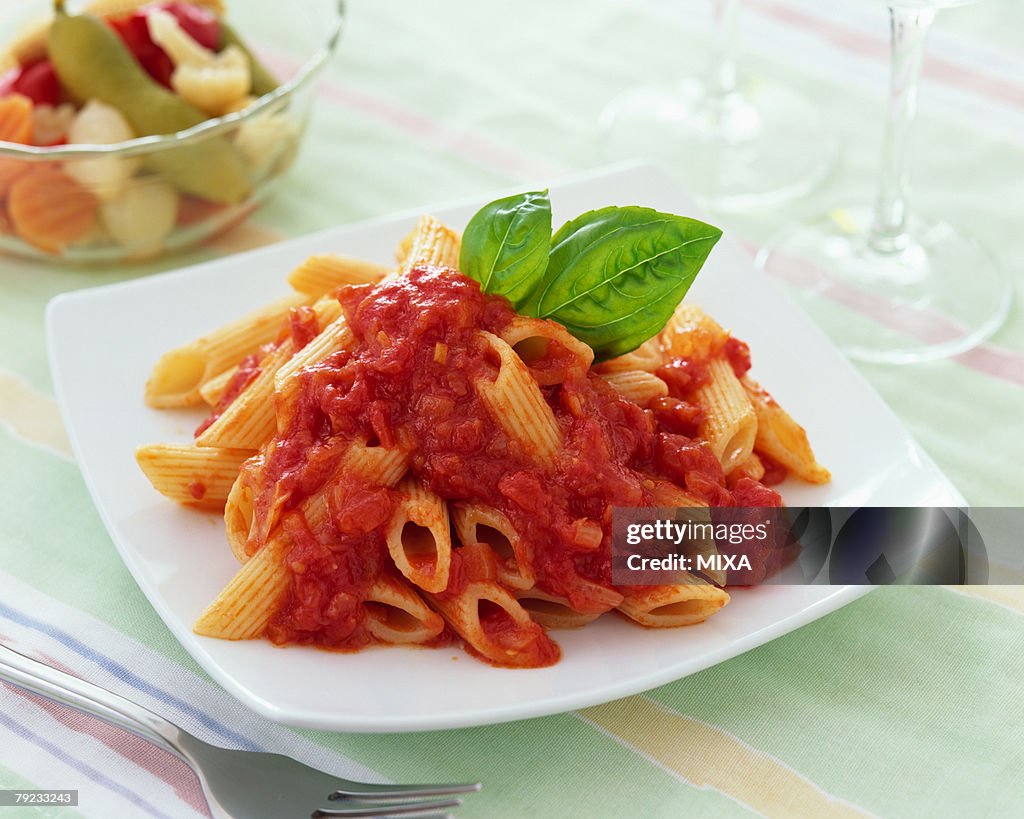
(394, 388)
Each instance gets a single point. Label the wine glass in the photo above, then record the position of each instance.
(916, 289)
(734, 143)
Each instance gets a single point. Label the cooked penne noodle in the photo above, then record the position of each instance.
(730, 425)
(552, 611)
(547, 348)
(419, 536)
(238, 517)
(493, 623)
(396, 614)
(179, 374)
(480, 523)
(670, 606)
(667, 494)
(378, 465)
(752, 468)
(515, 402)
(781, 438)
(637, 386)
(213, 390)
(196, 476)
(322, 274)
(249, 420)
(245, 606)
(692, 333)
(334, 337)
(430, 243)
(647, 357)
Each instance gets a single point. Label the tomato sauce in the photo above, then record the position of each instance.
(393, 387)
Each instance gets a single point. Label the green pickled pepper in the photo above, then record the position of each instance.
(93, 63)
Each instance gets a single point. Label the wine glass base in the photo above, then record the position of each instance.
(937, 294)
(755, 147)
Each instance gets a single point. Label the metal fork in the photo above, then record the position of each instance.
(237, 784)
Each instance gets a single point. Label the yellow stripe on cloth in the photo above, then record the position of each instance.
(709, 757)
(32, 416)
(1009, 597)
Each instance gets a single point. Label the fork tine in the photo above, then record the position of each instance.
(399, 809)
(368, 793)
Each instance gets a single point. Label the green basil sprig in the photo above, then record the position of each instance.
(616, 275)
(505, 245)
(612, 277)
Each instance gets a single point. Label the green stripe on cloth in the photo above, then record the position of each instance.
(905, 702)
(12, 781)
(69, 555)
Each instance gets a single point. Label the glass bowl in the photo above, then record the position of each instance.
(127, 201)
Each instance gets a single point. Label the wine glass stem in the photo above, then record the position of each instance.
(722, 70)
(910, 29)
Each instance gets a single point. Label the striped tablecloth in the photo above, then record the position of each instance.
(908, 702)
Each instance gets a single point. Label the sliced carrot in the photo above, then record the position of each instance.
(10, 170)
(16, 119)
(50, 210)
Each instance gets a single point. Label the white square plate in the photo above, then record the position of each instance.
(104, 341)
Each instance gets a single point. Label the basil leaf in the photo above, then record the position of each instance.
(616, 275)
(505, 245)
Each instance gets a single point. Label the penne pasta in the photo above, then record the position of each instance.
(396, 614)
(692, 333)
(495, 626)
(191, 475)
(781, 438)
(249, 420)
(244, 608)
(479, 523)
(647, 357)
(334, 337)
(638, 386)
(322, 274)
(515, 402)
(667, 494)
(730, 425)
(547, 348)
(419, 536)
(238, 517)
(178, 375)
(752, 468)
(671, 606)
(213, 390)
(430, 243)
(552, 611)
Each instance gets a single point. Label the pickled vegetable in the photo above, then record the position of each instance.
(211, 169)
(49, 209)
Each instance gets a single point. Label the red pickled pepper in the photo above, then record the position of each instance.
(37, 81)
(200, 24)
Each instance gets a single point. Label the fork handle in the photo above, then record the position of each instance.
(66, 689)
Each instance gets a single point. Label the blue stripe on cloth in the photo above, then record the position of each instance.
(127, 676)
(72, 762)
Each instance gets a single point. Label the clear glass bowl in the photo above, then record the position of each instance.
(144, 214)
